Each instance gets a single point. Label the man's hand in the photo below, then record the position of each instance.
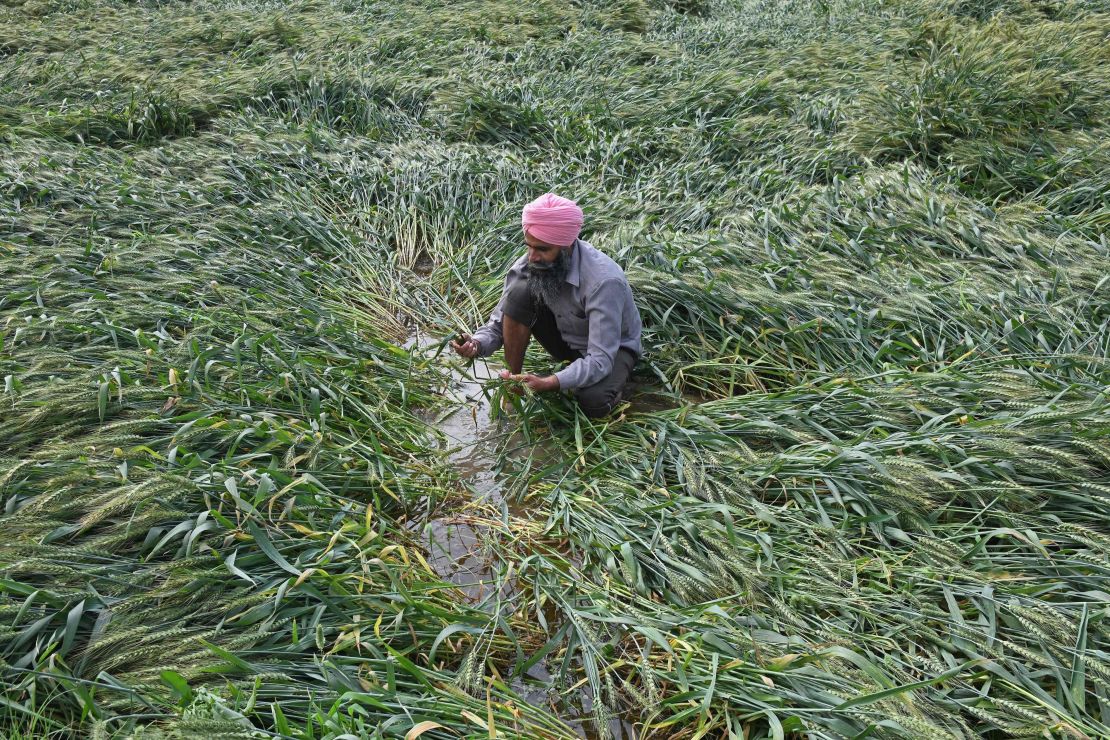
(468, 347)
(537, 383)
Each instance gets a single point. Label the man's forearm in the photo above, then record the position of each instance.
(488, 339)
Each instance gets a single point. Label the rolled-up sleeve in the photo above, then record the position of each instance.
(604, 311)
(489, 336)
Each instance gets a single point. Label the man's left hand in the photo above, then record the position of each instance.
(538, 384)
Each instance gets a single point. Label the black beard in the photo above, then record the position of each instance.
(545, 281)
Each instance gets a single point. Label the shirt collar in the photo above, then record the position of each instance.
(573, 272)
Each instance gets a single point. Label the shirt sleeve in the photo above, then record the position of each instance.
(604, 310)
(489, 336)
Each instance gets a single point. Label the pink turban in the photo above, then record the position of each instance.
(552, 219)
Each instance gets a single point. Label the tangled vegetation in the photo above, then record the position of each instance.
(868, 239)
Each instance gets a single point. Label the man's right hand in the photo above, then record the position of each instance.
(468, 347)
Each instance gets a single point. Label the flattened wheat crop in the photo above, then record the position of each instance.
(868, 239)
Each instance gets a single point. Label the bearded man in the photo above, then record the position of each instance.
(575, 300)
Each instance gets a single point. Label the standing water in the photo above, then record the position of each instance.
(454, 542)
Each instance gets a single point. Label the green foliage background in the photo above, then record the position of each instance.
(869, 242)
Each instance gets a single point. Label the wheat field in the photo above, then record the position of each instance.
(862, 489)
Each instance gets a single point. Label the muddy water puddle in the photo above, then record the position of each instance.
(574, 707)
(459, 544)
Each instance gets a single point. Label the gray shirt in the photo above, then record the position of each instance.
(595, 314)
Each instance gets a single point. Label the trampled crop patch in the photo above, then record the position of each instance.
(861, 488)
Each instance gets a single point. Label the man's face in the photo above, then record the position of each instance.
(540, 251)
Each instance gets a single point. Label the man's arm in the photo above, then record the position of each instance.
(489, 337)
(604, 311)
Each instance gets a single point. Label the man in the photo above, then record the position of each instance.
(576, 302)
